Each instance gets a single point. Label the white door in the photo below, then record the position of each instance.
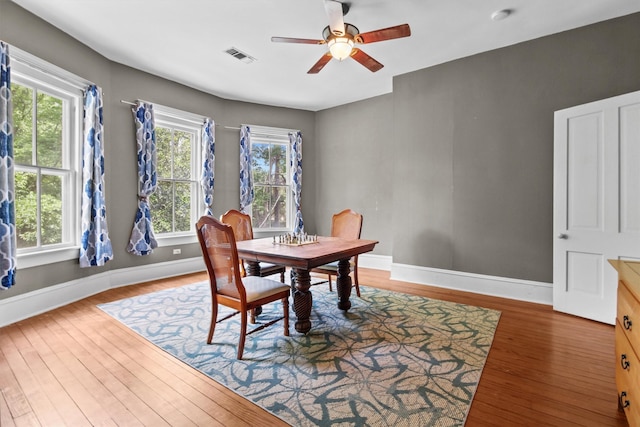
(596, 203)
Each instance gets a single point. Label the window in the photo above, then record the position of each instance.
(270, 162)
(47, 124)
(177, 203)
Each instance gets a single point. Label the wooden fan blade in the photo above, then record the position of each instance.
(320, 64)
(366, 60)
(294, 40)
(336, 19)
(385, 34)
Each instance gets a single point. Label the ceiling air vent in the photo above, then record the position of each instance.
(241, 56)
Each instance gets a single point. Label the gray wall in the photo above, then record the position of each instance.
(474, 147)
(452, 170)
(354, 167)
(130, 84)
(25, 31)
(29, 33)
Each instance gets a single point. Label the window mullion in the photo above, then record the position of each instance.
(173, 206)
(197, 201)
(288, 186)
(39, 208)
(34, 127)
(34, 161)
(269, 188)
(172, 149)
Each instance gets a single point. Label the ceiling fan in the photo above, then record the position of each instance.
(341, 37)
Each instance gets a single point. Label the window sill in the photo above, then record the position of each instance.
(35, 259)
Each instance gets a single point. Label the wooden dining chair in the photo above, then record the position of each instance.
(345, 225)
(243, 230)
(228, 288)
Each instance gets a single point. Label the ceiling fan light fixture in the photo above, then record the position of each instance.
(340, 47)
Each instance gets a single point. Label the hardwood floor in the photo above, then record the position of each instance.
(77, 366)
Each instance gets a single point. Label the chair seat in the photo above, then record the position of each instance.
(267, 267)
(332, 266)
(260, 287)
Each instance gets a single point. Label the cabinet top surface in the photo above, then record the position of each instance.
(628, 271)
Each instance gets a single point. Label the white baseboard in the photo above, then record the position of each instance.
(146, 273)
(376, 262)
(523, 290)
(30, 304)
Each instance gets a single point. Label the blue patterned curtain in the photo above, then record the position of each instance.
(295, 140)
(95, 245)
(7, 188)
(246, 180)
(142, 241)
(208, 163)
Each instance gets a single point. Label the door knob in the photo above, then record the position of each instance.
(563, 236)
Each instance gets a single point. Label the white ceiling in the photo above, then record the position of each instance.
(185, 40)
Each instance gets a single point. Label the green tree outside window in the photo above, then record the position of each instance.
(38, 139)
(270, 187)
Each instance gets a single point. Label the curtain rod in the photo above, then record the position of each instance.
(217, 125)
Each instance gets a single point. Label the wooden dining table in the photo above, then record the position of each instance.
(302, 258)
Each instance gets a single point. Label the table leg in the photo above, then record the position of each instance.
(343, 284)
(253, 268)
(302, 300)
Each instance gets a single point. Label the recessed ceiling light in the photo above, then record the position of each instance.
(499, 15)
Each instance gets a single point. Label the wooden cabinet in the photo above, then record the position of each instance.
(628, 339)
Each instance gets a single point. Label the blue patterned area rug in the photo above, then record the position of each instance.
(391, 360)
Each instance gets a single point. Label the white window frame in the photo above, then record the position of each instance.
(192, 123)
(278, 136)
(31, 71)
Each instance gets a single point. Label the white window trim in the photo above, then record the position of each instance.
(185, 121)
(29, 68)
(278, 135)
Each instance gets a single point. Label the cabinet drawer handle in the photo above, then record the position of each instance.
(624, 362)
(626, 322)
(623, 401)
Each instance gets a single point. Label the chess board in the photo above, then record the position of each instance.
(295, 239)
(295, 243)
